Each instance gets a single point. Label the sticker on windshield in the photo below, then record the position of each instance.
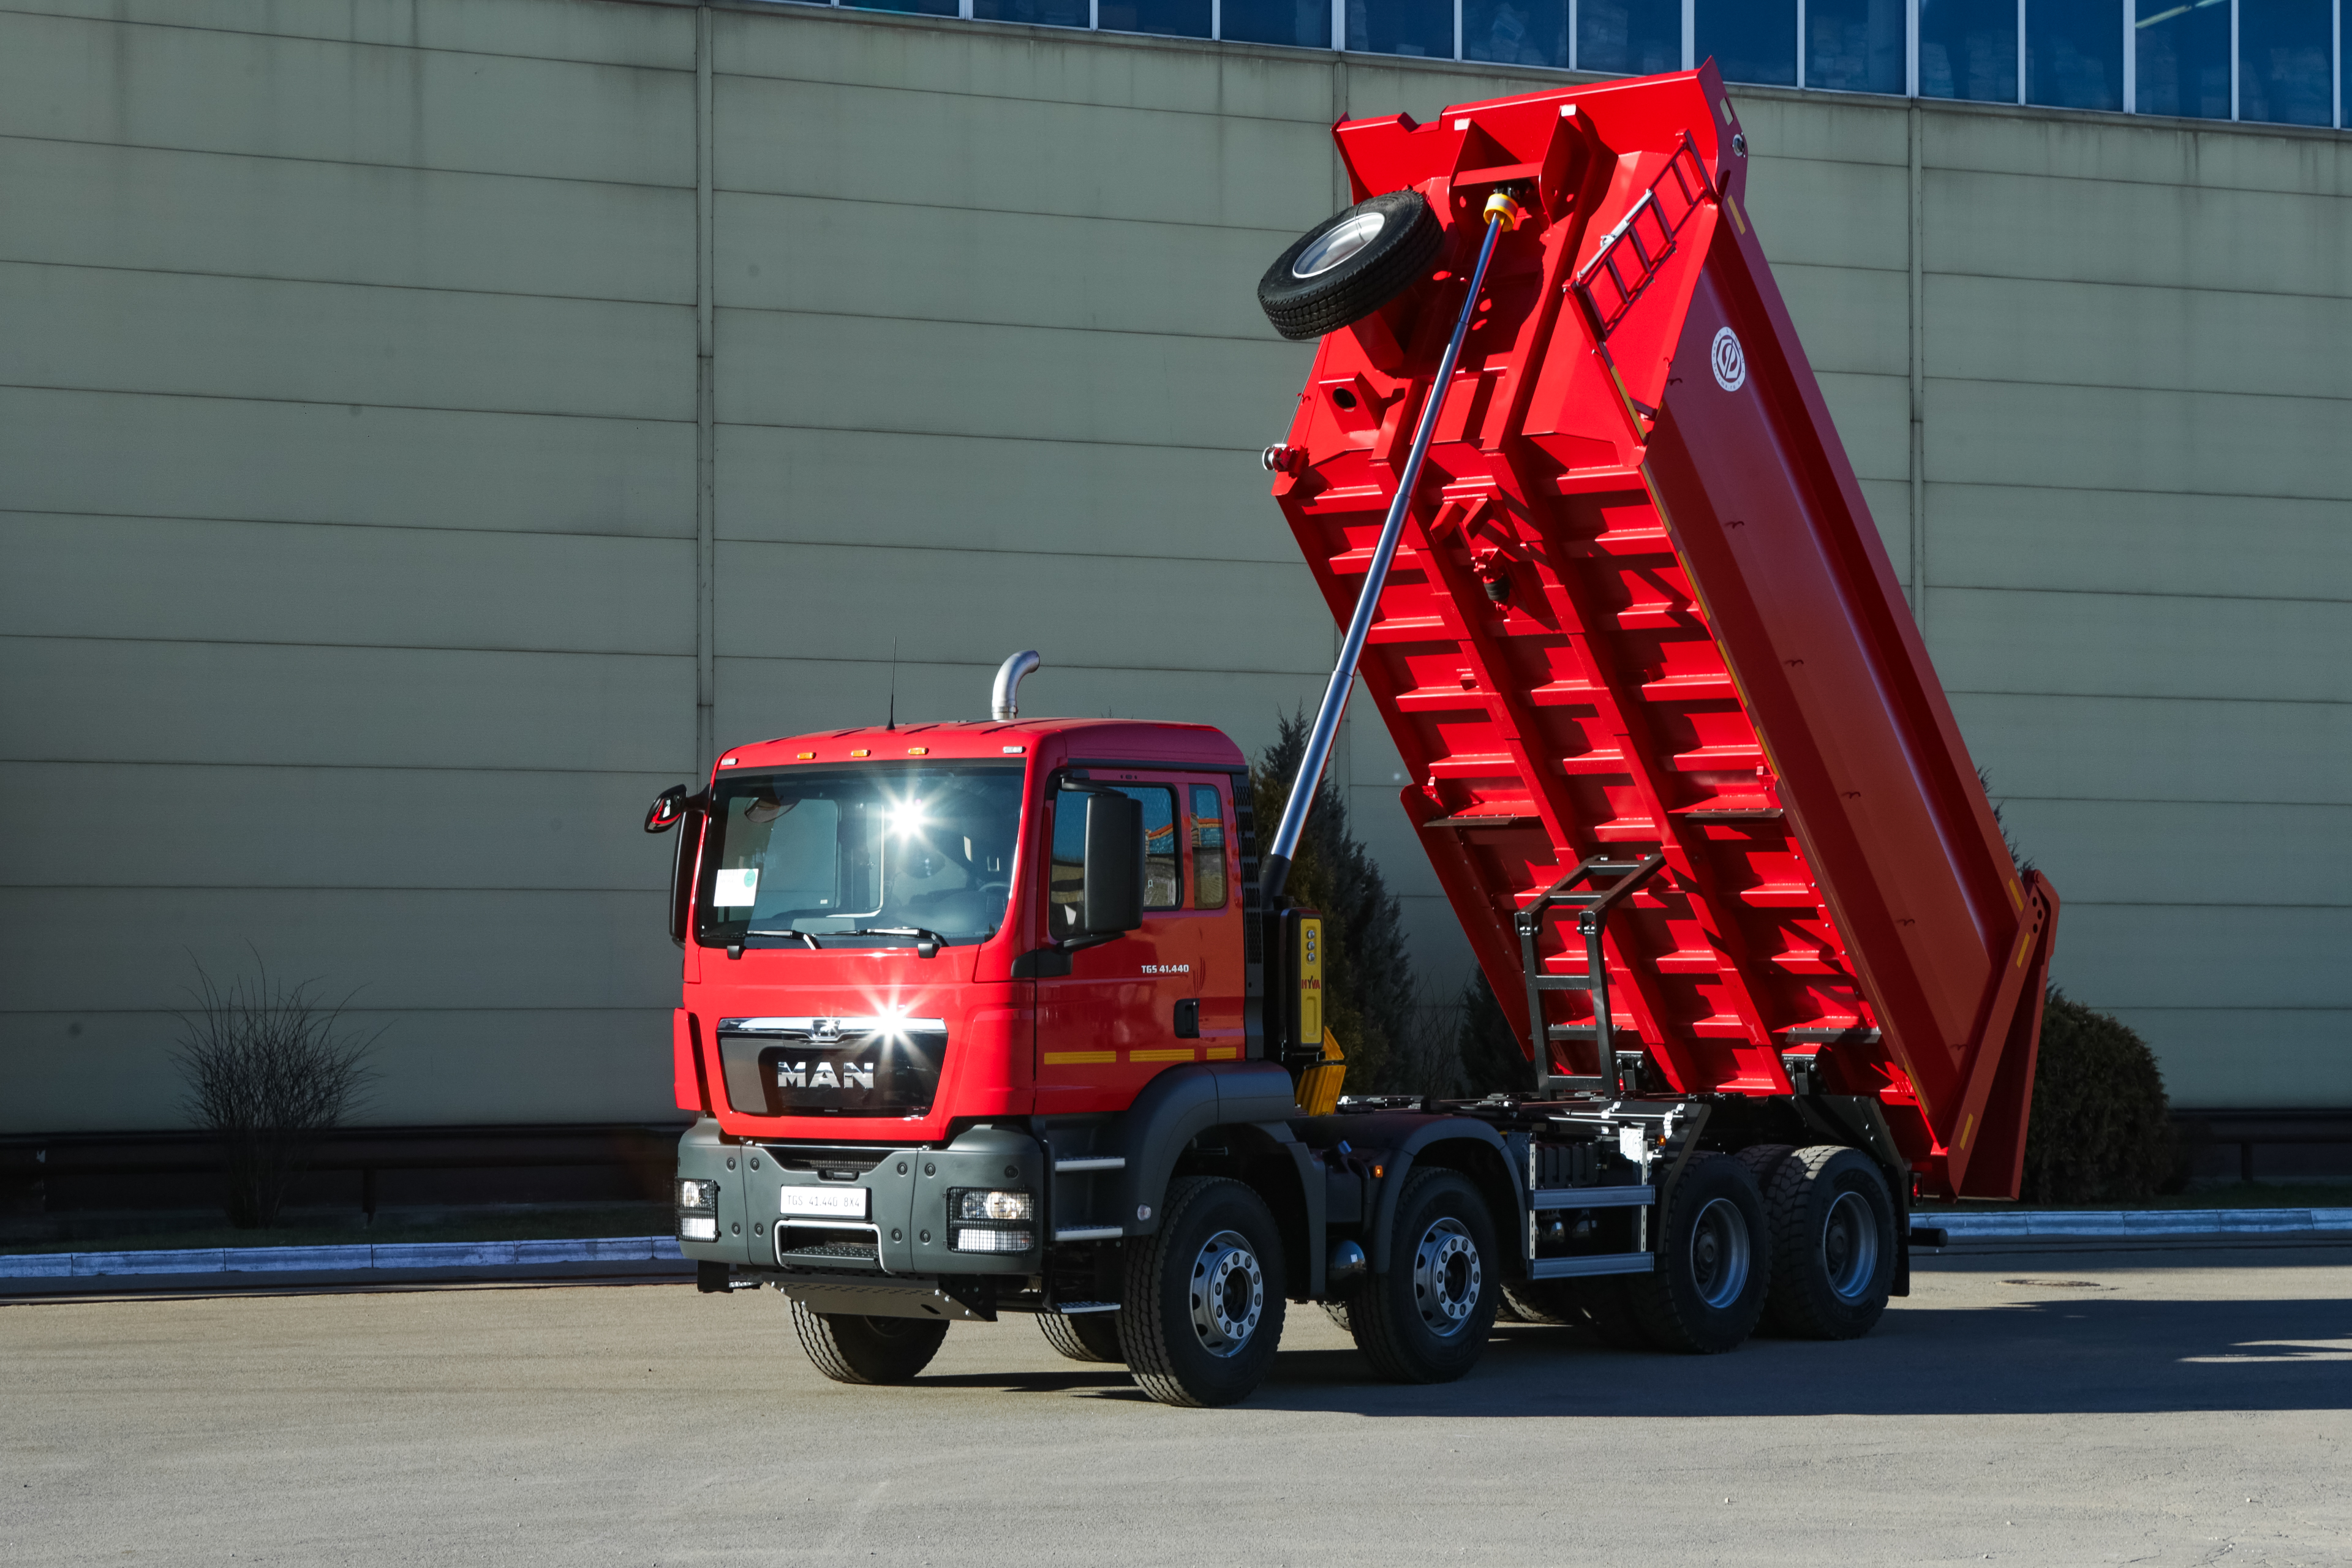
(737, 888)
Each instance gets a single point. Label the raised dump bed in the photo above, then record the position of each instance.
(1639, 610)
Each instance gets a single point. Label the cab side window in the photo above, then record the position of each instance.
(1208, 848)
(1162, 888)
(1066, 881)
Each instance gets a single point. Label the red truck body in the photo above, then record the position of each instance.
(1639, 601)
(1015, 1015)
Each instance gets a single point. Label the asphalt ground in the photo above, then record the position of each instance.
(2045, 1407)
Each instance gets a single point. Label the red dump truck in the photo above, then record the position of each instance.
(1014, 1014)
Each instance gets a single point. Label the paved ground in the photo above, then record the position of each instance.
(2117, 1407)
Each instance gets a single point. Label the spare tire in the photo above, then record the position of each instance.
(1349, 265)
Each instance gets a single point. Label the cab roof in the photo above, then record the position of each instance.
(1051, 742)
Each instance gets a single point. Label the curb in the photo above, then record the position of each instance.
(2132, 1224)
(340, 1259)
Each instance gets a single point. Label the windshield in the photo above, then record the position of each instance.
(877, 856)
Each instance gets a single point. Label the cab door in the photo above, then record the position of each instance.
(1166, 993)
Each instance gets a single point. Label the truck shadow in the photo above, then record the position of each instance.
(2085, 1353)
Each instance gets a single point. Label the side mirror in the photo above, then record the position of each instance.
(1112, 898)
(667, 810)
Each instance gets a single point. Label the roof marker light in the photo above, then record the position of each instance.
(918, 750)
(806, 756)
(1015, 750)
(725, 762)
(861, 751)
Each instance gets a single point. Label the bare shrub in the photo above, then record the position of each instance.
(269, 1068)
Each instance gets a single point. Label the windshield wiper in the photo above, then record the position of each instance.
(927, 942)
(801, 934)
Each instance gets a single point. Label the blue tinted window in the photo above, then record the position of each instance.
(1855, 46)
(2283, 48)
(1304, 23)
(1750, 40)
(1041, 13)
(1516, 32)
(1630, 38)
(909, 7)
(1423, 27)
(1968, 49)
(1169, 18)
(2074, 53)
(2184, 58)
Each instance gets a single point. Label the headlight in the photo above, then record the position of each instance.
(698, 1194)
(698, 1227)
(974, 1239)
(981, 1203)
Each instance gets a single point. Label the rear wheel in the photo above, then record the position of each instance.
(850, 1349)
(1203, 1305)
(1832, 1243)
(1427, 1319)
(1714, 1259)
(1082, 1336)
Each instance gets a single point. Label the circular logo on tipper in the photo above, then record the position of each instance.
(1730, 364)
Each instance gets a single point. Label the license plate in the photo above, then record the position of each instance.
(826, 1203)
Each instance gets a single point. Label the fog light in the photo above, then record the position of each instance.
(974, 1239)
(975, 1203)
(698, 1227)
(694, 1194)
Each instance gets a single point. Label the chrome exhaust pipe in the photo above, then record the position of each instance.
(1004, 702)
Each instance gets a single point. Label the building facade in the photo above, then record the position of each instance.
(429, 426)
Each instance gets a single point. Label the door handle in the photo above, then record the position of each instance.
(1188, 1019)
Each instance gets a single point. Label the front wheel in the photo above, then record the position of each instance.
(1204, 1304)
(1427, 1319)
(851, 1349)
(1082, 1336)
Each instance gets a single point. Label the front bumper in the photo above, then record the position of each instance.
(905, 1231)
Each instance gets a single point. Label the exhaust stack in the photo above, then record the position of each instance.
(1004, 702)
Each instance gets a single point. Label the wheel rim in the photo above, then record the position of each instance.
(1446, 1276)
(1718, 1253)
(1850, 1247)
(1343, 241)
(1227, 1292)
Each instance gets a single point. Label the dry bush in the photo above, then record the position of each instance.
(2101, 1131)
(269, 1068)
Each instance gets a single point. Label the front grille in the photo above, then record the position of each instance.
(798, 1249)
(832, 1066)
(826, 1158)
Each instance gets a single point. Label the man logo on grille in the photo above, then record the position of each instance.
(824, 1029)
(1730, 363)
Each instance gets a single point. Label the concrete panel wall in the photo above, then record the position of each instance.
(381, 382)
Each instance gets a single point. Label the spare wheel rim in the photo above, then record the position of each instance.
(1337, 244)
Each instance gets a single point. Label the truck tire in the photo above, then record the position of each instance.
(1204, 1304)
(850, 1349)
(1349, 265)
(1427, 1319)
(1609, 1310)
(1762, 1160)
(1546, 1301)
(1832, 1243)
(1085, 1336)
(1714, 1261)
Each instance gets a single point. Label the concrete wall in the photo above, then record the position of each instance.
(426, 424)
